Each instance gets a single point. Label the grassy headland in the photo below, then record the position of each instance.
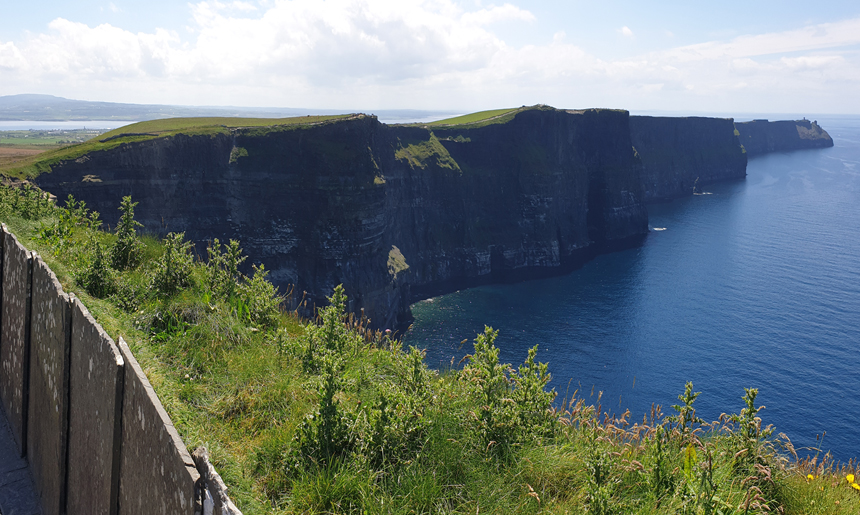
(27, 164)
(481, 116)
(27, 167)
(327, 416)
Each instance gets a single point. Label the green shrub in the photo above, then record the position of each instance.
(260, 299)
(126, 251)
(173, 271)
(686, 417)
(324, 435)
(222, 269)
(32, 203)
(97, 278)
(331, 336)
(27, 202)
(514, 407)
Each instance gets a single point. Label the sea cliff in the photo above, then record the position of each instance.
(762, 136)
(679, 154)
(401, 212)
(392, 212)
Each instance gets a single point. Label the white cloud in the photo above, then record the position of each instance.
(10, 57)
(419, 54)
(626, 32)
(812, 62)
(816, 37)
(494, 14)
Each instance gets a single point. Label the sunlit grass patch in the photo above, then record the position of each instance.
(471, 118)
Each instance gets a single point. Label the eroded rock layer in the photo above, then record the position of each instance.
(681, 154)
(392, 212)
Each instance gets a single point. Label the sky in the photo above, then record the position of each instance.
(675, 56)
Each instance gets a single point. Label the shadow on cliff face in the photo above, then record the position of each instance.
(322, 205)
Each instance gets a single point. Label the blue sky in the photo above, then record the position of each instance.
(729, 57)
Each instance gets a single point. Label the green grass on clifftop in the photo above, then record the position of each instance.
(494, 116)
(32, 166)
(193, 125)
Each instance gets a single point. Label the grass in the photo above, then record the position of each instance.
(484, 118)
(192, 125)
(332, 417)
(421, 152)
(28, 167)
(495, 115)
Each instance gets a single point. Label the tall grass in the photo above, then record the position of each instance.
(332, 416)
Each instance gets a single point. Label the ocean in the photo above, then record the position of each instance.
(754, 284)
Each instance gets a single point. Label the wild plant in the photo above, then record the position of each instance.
(173, 270)
(490, 379)
(331, 335)
(660, 480)
(514, 407)
(260, 298)
(379, 447)
(283, 345)
(749, 433)
(417, 374)
(324, 434)
(752, 457)
(97, 278)
(698, 490)
(599, 482)
(535, 413)
(164, 324)
(5, 201)
(80, 215)
(59, 232)
(223, 268)
(32, 203)
(686, 413)
(126, 251)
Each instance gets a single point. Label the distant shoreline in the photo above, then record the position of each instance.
(41, 125)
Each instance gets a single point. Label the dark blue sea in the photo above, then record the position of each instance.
(756, 284)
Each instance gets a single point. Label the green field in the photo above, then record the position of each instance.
(47, 138)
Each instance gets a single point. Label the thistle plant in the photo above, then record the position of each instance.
(260, 298)
(223, 268)
(173, 270)
(125, 253)
(97, 278)
(686, 417)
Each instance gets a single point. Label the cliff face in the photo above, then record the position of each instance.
(762, 136)
(512, 200)
(393, 213)
(678, 152)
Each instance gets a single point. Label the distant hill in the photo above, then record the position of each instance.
(51, 108)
